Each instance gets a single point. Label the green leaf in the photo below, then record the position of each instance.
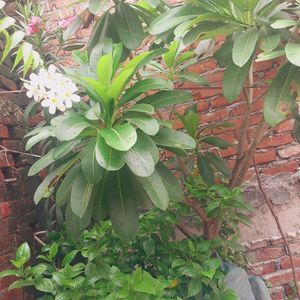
(170, 56)
(63, 194)
(212, 140)
(76, 24)
(170, 182)
(149, 246)
(194, 287)
(219, 164)
(205, 170)
(20, 284)
(156, 190)
(104, 69)
(64, 148)
(107, 157)
(37, 135)
(46, 187)
(103, 47)
(121, 137)
(279, 101)
(173, 17)
(42, 163)
(23, 252)
(143, 108)
(234, 79)
(270, 40)
(167, 98)
(6, 22)
(44, 285)
(244, 46)
(292, 51)
(128, 26)
(146, 123)
(69, 257)
(95, 6)
(71, 127)
(172, 138)
(143, 86)
(94, 113)
(92, 171)
(123, 212)
(7, 273)
(269, 55)
(224, 54)
(143, 282)
(80, 195)
(284, 23)
(139, 158)
(190, 122)
(194, 78)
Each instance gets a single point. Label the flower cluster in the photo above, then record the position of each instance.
(52, 89)
(64, 23)
(35, 25)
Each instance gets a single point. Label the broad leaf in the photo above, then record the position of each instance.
(122, 210)
(37, 135)
(64, 148)
(80, 195)
(205, 170)
(175, 139)
(121, 137)
(279, 100)
(167, 98)
(76, 24)
(92, 171)
(102, 196)
(104, 69)
(292, 51)
(129, 26)
(42, 163)
(139, 158)
(143, 108)
(71, 127)
(170, 56)
(194, 78)
(146, 123)
(63, 194)
(156, 190)
(284, 23)
(269, 40)
(107, 157)
(244, 46)
(95, 6)
(219, 164)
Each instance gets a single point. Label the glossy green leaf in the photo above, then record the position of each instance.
(139, 158)
(244, 46)
(172, 138)
(81, 193)
(94, 113)
(269, 40)
(234, 79)
(156, 190)
(104, 69)
(71, 127)
(143, 86)
(37, 136)
(279, 100)
(283, 23)
(292, 51)
(129, 26)
(122, 211)
(6, 22)
(42, 163)
(205, 170)
(171, 184)
(269, 55)
(107, 157)
(44, 285)
(23, 251)
(143, 108)
(194, 287)
(194, 78)
(146, 123)
(64, 148)
(121, 137)
(212, 140)
(170, 56)
(63, 194)
(92, 171)
(95, 6)
(167, 98)
(219, 164)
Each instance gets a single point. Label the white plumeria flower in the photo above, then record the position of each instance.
(52, 89)
(53, 103)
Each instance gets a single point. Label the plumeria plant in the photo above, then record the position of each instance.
(104, 153)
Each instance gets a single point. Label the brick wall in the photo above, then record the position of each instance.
(17, 211)
(278, 159)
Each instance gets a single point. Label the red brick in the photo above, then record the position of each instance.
(258, 105)
(262, 269)
(215, 77)
(280, 277)
(286, 262)
(285, 126)
(268, 253)
(218, 115)
(15, 145)
(265, 157)
(281, 167)
(202, 106)
(6, 160)
(203, 67)
(275, 141)
(239, 110)
(4, 210)
(4, 131)
(218, 102)
(289, 151)
(256, 244)
(270, 74)
(263, 65)
(277, 293)
(229, 152)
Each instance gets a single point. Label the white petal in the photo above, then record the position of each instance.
(76, 98)
(46, 103)
(52, 109)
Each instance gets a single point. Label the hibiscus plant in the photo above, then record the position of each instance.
(103, 156)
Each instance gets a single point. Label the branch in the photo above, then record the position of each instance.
(279, 227)
(198, 209)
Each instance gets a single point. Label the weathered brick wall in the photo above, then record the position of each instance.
(17, 211)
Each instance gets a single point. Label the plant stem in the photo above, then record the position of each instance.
(279, 228)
